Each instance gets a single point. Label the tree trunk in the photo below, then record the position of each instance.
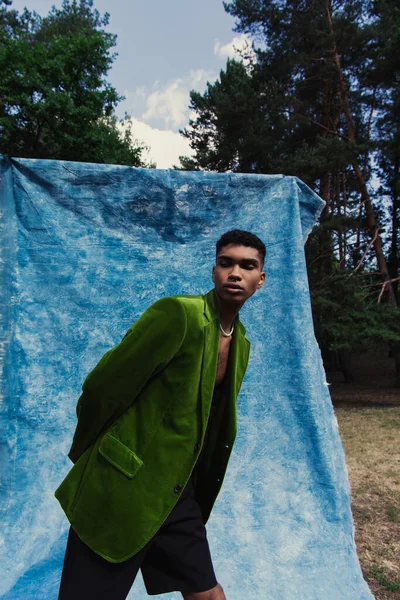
(393, 262)
(344, 357)
(365, 197)
(325, 236)
(326, 251)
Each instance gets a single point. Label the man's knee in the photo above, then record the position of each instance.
(215, 593)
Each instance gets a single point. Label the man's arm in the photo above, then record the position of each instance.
(111, 387)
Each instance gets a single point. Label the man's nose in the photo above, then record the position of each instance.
(235, 271)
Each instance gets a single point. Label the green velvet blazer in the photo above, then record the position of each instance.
(142, 419)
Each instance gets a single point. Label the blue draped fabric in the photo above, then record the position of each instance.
(84, 249)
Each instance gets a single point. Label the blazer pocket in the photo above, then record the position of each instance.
(120, 455)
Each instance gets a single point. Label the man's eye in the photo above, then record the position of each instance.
(224, 264)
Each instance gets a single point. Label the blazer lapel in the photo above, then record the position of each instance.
(210, 355)
(238, 358)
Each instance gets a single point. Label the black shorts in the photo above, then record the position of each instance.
(176, 558)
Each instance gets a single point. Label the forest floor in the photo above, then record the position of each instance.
(368, 415)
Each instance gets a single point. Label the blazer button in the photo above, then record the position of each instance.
(196, 447)
(177, 488)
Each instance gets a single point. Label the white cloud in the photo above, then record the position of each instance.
(199, 77)
(165, 145)
(167, 104)
(170, 103)
(232, 48)
(140, 92)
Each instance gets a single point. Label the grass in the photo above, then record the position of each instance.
(368, 415)
(393, 514)
(380, 575)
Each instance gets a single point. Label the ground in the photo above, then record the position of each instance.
(368, 414)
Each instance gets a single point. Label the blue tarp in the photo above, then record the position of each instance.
(85, 249)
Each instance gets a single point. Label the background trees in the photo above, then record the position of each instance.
(321, 101)
(54, 99)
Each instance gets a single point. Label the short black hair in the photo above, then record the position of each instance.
(244, 238)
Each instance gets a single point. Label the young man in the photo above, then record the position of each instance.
(156, 426)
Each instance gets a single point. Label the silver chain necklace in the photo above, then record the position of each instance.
(224, 332)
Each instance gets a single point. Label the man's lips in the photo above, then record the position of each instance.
(233, 287)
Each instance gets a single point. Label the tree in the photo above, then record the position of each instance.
(313, 112)
(347, 318)
(233, 129)
(385, 77)
(54, 99)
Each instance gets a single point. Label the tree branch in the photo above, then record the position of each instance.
(329, 130)
(363, 256)
(385, 283)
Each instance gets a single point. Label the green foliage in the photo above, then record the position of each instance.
(54, 99)
(392, 511)
(285, 113)
(380, 574)
(347, 317)
(232, 131)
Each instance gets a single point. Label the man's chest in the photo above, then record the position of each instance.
(223, 354)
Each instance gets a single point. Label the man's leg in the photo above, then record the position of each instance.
(88, 576)
(215, 593)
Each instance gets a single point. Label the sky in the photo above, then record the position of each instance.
(165, 49)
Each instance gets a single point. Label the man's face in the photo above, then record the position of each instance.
(239, 265)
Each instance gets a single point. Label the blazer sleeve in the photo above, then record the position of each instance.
(117, 379)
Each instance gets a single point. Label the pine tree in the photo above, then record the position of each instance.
(309, 89)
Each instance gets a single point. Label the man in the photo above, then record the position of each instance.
(156, 426)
